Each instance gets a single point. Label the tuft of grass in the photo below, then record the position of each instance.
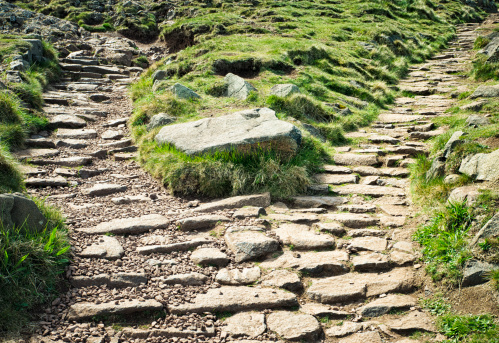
(11, 179)
(31, 268)
(469, 329)
(445, 242)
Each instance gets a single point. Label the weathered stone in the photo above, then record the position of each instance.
(302, 238)
(437, 169)
(451, 144)
(111, 135)
(48, 182)
(332, 228)
(369, 243)
(21, 212)
(129, 225)
(490, 229)
(357, 208)
(71, 143)
(236, 299)
(345, 329)
(160, 119)
(237, 87)
(383, 139)
(284, 90)
(318, 201)
(374, 191)
(353, 220)
(241, 131)
(249, 212)
(116, 280)
(391, 221)
(248, 245)
(363, 337)
(477, 121)
(401, 258)
(294, 218)
(190, 279)
(209, 256)
(84, 310)
(482, 167)
(282, 279)
(366, 233)
(415, 320)
(337, 169)
(259, 200)
(183, 92)
(355, 160)
(76, 133)
(117, 145)
(237, 277)
(351, 287)
(107, 247)
(371, 171)
(468, 194)
(321, 310)
(294, 326)
(333, 179)
(36, 153)
(485, 91)
(67, 122)
(370, 262)
(395, 210)
(247, 324)
(476, 272)
(202, 222)
(168, 248)
(384, 305)
(323, 262)
(103, 189)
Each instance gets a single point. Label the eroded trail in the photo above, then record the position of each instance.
(139, 253)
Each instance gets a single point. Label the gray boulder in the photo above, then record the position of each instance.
(482, 167)
(35, 51)
(16, 210)
(485, 92)
(159, 75)
(237, 87)
(490, 229)
(452, 143)
(240, 131)
(182, 92)
(160, 119)
(491, 50)
(476, 272)
(477, 121)
(437, 169)
(284, 90)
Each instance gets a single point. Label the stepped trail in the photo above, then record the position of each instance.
(150, 267)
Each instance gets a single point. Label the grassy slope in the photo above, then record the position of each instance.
(340, 54)
(30, 262)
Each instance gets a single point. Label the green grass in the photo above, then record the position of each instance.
(445, 242)
(31, 267)
(11, 179)
(340, 54)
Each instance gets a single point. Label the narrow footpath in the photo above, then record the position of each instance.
(150, 267)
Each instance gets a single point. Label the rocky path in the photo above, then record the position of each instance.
(149, 267)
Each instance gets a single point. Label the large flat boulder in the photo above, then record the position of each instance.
(241, 131)
(86, 310)
(129, 225)
(236, 299)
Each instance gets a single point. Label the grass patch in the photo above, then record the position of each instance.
(445, 242)
(31, 267)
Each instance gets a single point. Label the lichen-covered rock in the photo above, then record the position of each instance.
(284, 90)
(237, 87)
(16, 210)
(160, 119)
(482, 167)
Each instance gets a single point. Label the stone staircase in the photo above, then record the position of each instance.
(149, 267)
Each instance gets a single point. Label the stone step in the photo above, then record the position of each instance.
(259, 200)
(349, 159)
(146, 334)
(318, 201)
(46, 182)
(76, 133)
(236, 299)
(334, 179)
(353, 220)
(374, 191)
(134, 225)
(106, 247)
(103, 70)
(35, 153)
(354, 287)
(103, 189)
(55, 101)
(201, 222)
(168, 248)
(116, 280)
(80, 61)
(66, 121)
(302, 237)
(86, 310)
(75, 161)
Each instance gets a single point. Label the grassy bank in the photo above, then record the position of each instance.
(31, 263)
(345, 57)
(21, 105)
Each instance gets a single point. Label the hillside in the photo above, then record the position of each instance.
(249, 171)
